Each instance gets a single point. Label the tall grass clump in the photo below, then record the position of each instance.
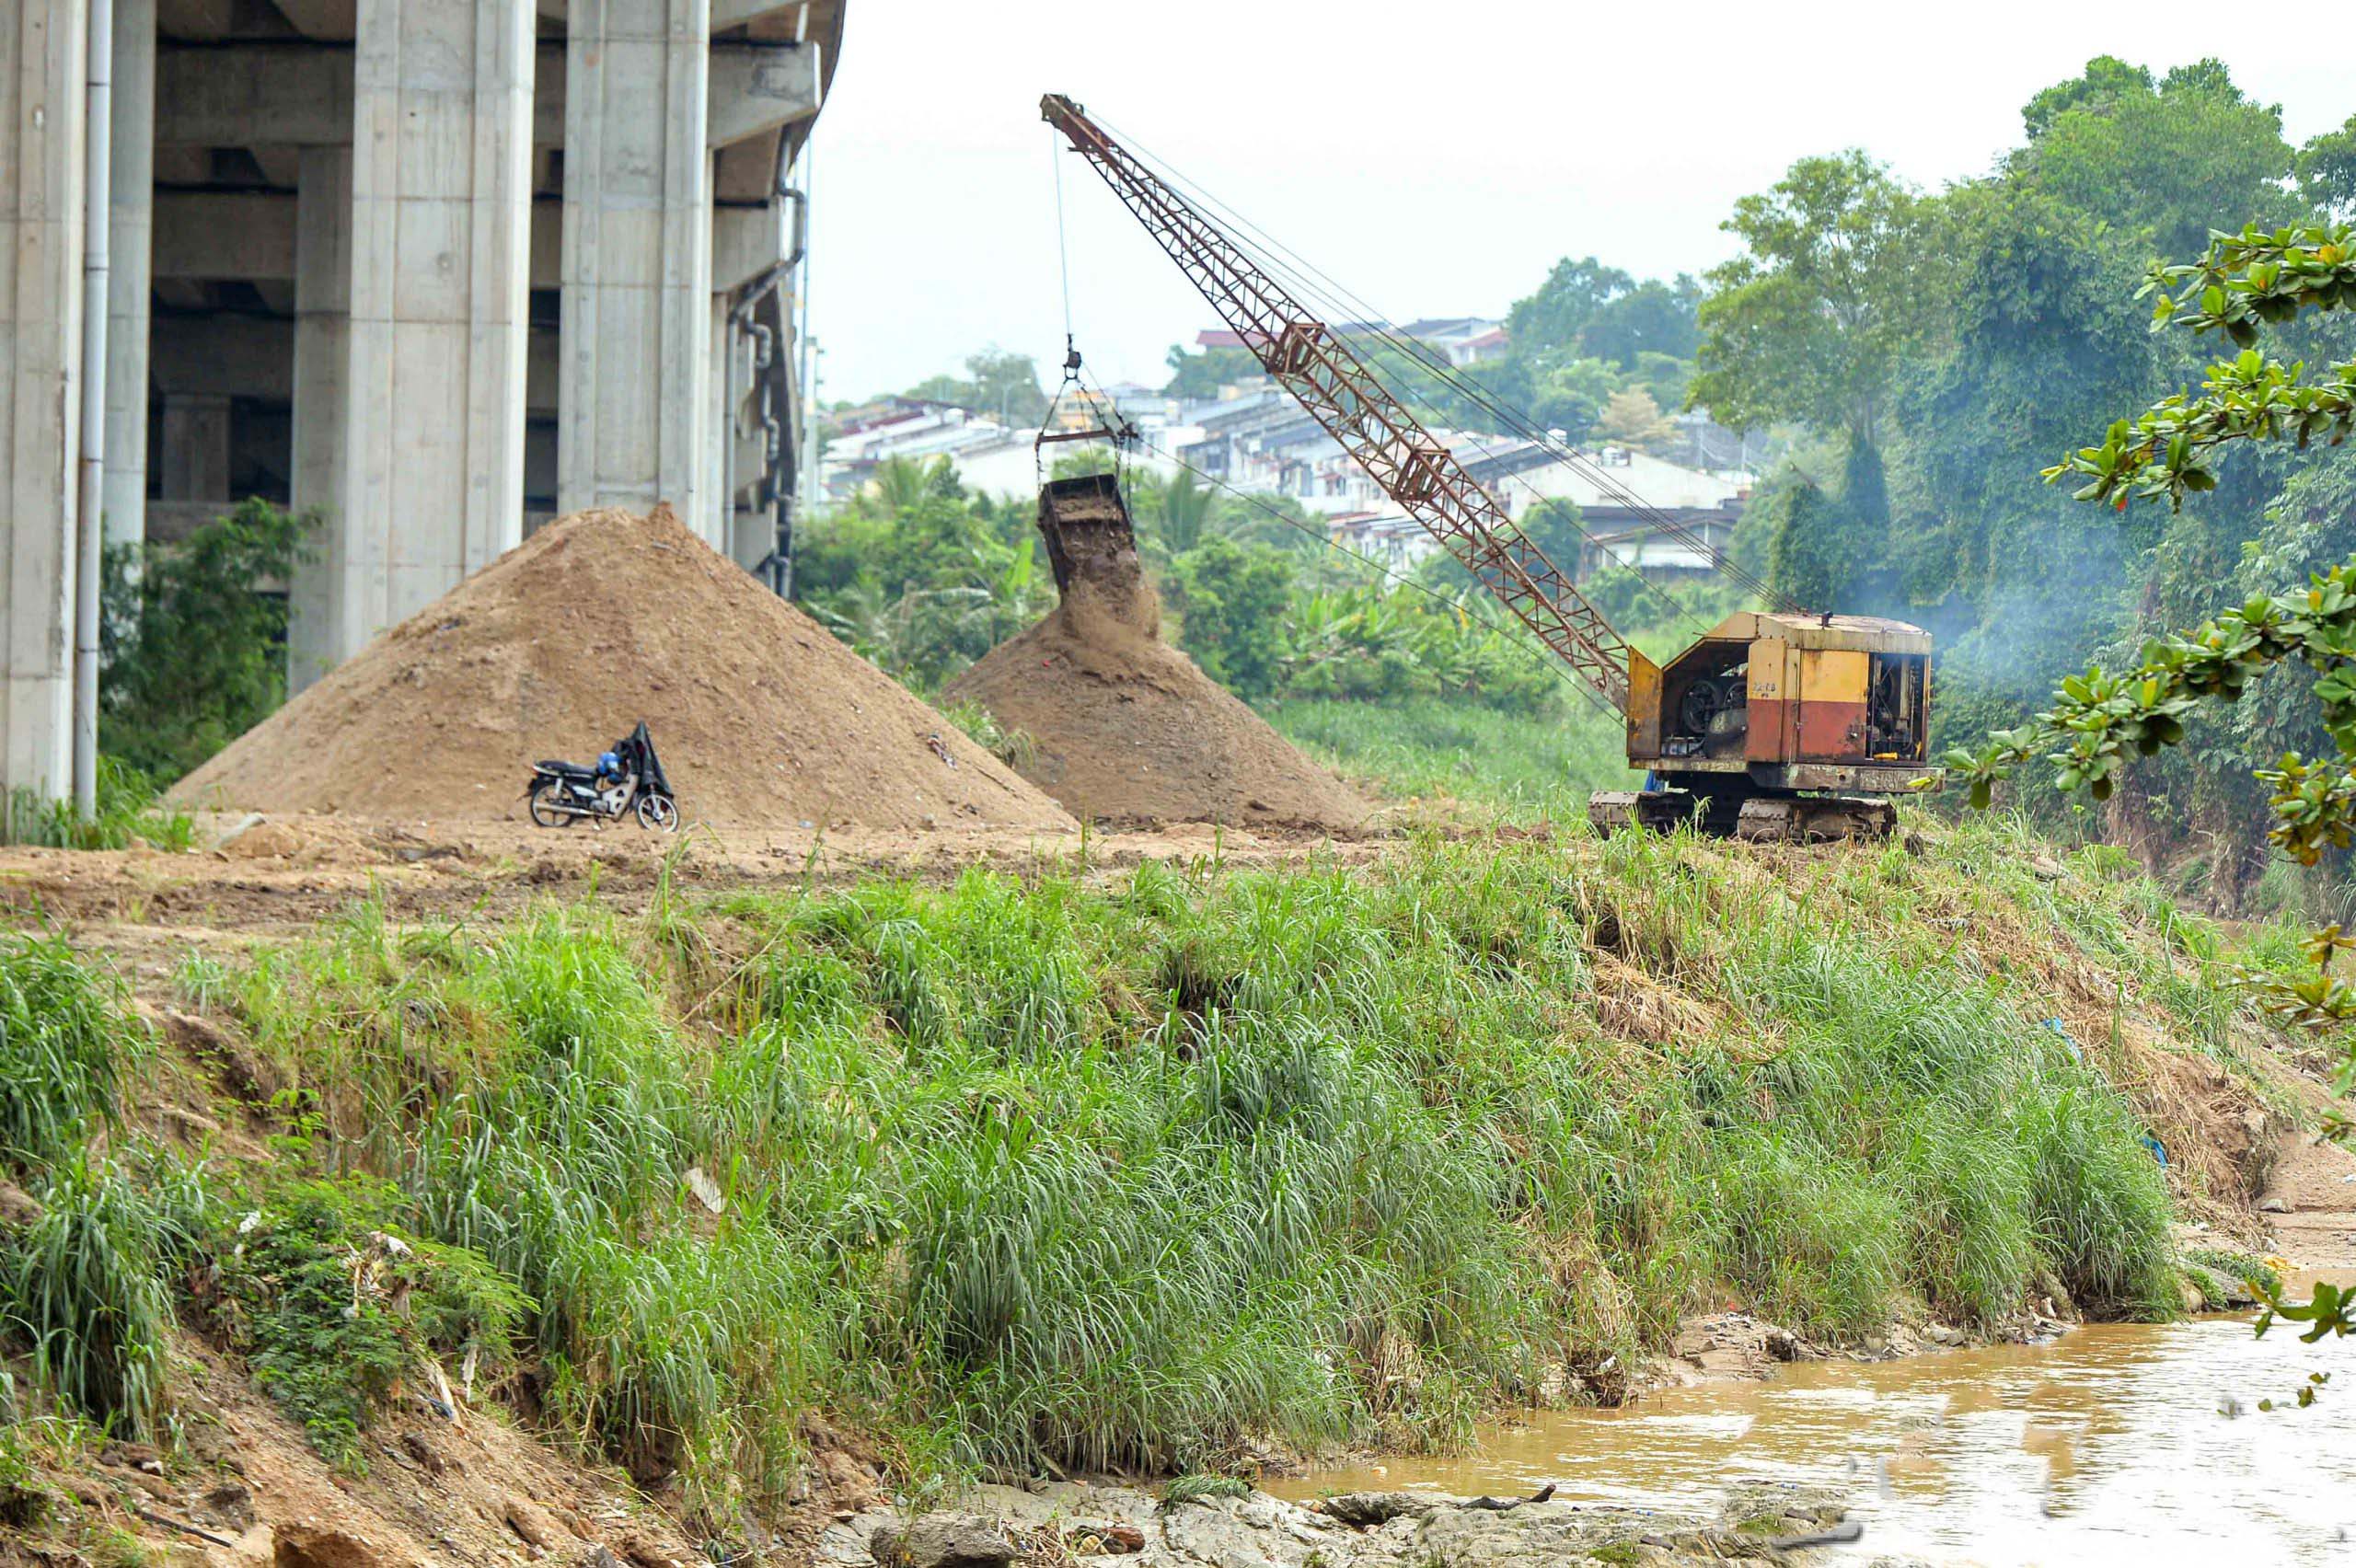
(82, 1289)
(65, 1042)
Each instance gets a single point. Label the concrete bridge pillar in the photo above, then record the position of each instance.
(130, 239)
(635, 396)
(432, 486)
(322, 352)
(42, 69)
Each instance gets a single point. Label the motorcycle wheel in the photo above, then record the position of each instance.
(658, 814)
(543, 807)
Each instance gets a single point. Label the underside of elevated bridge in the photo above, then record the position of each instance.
(433, 270)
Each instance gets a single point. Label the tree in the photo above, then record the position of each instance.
(2091, 144)
(2326, 171)
(1232, 600)
(1553, 318)
(2099, 721)
(1178, 508)
(1630, 417)
(1200, 375)
(1808, 323)
(194, 653)
(996, 383)
(1570, 396)
(1652, 318)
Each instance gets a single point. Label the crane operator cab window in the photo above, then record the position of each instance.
(1707, 706)
(1897, 707)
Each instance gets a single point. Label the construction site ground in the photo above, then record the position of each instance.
(269, 875)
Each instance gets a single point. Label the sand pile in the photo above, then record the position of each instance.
(600, 619)
(1128, 730)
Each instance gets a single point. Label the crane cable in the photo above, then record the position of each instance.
(1380, 328)
(1340, 308)
(1540, 657)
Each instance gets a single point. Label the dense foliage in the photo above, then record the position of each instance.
(1964, 337)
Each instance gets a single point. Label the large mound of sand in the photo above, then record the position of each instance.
(1128, 729)
(555, 649)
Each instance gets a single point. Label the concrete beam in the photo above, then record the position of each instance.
(245, 356)
(746, 242)
(433, 480)
(329, 20)
(322, 255)
(291, 93)
(760, 87)
(726, 13)
(225, 234)
(299, 94)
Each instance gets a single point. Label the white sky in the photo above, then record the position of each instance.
(1435, 158)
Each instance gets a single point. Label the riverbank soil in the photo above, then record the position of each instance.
(2309, 1208)
(848, 1074)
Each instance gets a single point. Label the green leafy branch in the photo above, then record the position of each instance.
(2246, 280)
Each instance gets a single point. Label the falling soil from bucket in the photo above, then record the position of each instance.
(1126, 729)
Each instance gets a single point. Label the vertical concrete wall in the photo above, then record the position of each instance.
(635, 392)
(130, 239)
(433, 483)
(42, 68)
(322, 351)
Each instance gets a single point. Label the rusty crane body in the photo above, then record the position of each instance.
(1777, 724)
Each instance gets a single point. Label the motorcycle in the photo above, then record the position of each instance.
(561, 793)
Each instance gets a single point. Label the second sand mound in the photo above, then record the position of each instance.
(1128, 730)
(555, 649)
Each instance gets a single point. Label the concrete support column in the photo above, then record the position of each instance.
(432, 485)
(130, 244)
(322, 352)
(635, 394)
(42, 58)
(195, 460)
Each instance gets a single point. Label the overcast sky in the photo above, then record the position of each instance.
(1434, 158)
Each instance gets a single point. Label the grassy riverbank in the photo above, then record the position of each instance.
(1145, 1168)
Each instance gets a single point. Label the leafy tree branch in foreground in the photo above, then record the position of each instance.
(2099, 721)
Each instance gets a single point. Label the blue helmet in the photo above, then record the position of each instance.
(608, 763)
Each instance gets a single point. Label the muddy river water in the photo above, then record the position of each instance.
(2117, 1444)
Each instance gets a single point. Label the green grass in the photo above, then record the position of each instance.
(1525, 766)
(126, 811)
(1143, 1170)
(1142, 1173)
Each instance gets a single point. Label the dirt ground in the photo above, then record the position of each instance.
(2314, 1228)
(255, 878)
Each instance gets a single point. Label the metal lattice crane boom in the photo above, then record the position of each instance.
(1311, 361)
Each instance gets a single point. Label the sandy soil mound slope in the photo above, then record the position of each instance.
(1128, 729)
(556, 648)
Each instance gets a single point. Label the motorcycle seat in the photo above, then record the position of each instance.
(565, 769)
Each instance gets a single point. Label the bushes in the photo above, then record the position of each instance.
(334, 1306)
(195, 652)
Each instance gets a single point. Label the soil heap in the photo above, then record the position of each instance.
(1128, 730)
(555, 649)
